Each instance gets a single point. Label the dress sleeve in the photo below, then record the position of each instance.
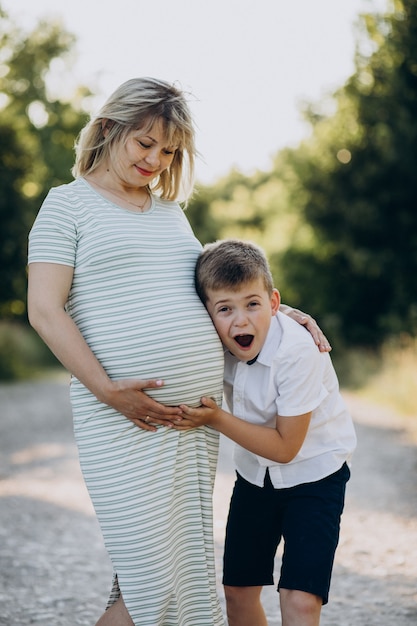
(53, 237)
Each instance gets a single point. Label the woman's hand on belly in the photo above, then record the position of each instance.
(129, 398)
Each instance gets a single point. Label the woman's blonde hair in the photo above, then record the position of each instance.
(137, 105)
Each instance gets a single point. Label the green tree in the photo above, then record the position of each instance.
(252, 207)
(354, 184)
(36, 148)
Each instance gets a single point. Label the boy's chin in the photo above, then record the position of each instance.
(243, 355)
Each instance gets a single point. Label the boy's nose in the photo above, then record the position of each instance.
(241, 319)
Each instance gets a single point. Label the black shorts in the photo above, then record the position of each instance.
(306, 517)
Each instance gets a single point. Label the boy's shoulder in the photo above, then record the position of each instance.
(287, 342)
(292, 331)
(296, 347)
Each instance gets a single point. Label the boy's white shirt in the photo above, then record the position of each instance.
(290, 377)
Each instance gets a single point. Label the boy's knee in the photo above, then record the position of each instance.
(243, 605)
(301, 604)
(233, 594)
(241, 595)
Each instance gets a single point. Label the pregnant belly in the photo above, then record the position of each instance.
(188, 382)
(186, 354)
(187, 373)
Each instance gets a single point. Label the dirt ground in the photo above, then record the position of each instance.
(54, 569)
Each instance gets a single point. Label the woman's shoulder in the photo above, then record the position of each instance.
(172, 205)
(170, 209)
(63, 203)
(68, 189)
(63, 192)
(74, 197)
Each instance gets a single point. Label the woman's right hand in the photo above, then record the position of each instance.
(129, 398)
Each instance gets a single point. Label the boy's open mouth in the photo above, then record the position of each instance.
(244, 340)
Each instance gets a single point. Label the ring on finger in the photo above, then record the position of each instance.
(147, 418)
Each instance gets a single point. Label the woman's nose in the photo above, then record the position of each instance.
(153, 157)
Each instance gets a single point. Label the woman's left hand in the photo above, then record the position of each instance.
(314, 329)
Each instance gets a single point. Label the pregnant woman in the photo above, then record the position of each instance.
(111, 292)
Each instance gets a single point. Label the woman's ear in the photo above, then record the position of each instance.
(105, 126)
(275, 301)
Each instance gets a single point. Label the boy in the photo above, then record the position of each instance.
(294, 440)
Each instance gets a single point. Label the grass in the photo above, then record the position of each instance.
(395, 381)
(23, 354)
(387, 376)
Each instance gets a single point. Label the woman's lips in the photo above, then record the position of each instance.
(144, 172)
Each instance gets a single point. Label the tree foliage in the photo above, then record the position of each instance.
(355, 186)
(36, 148)
(337, 215)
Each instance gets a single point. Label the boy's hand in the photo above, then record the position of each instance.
(207, 413)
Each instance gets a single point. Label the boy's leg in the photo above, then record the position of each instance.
(311, 533)
(244, 606)
(299, 608)
(252, 535)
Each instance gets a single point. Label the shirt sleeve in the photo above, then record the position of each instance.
(53, 237)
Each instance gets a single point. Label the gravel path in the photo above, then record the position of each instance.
(55, 572)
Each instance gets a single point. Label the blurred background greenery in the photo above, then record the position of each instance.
(337, 215)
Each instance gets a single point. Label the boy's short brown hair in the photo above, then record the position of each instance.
(230, 263)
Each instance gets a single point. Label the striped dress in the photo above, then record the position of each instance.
(134, 301)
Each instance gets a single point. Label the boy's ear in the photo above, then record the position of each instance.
(275, 301)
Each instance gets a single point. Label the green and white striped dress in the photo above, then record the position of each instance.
(134, 301)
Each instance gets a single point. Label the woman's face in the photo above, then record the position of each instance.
(142, 157)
